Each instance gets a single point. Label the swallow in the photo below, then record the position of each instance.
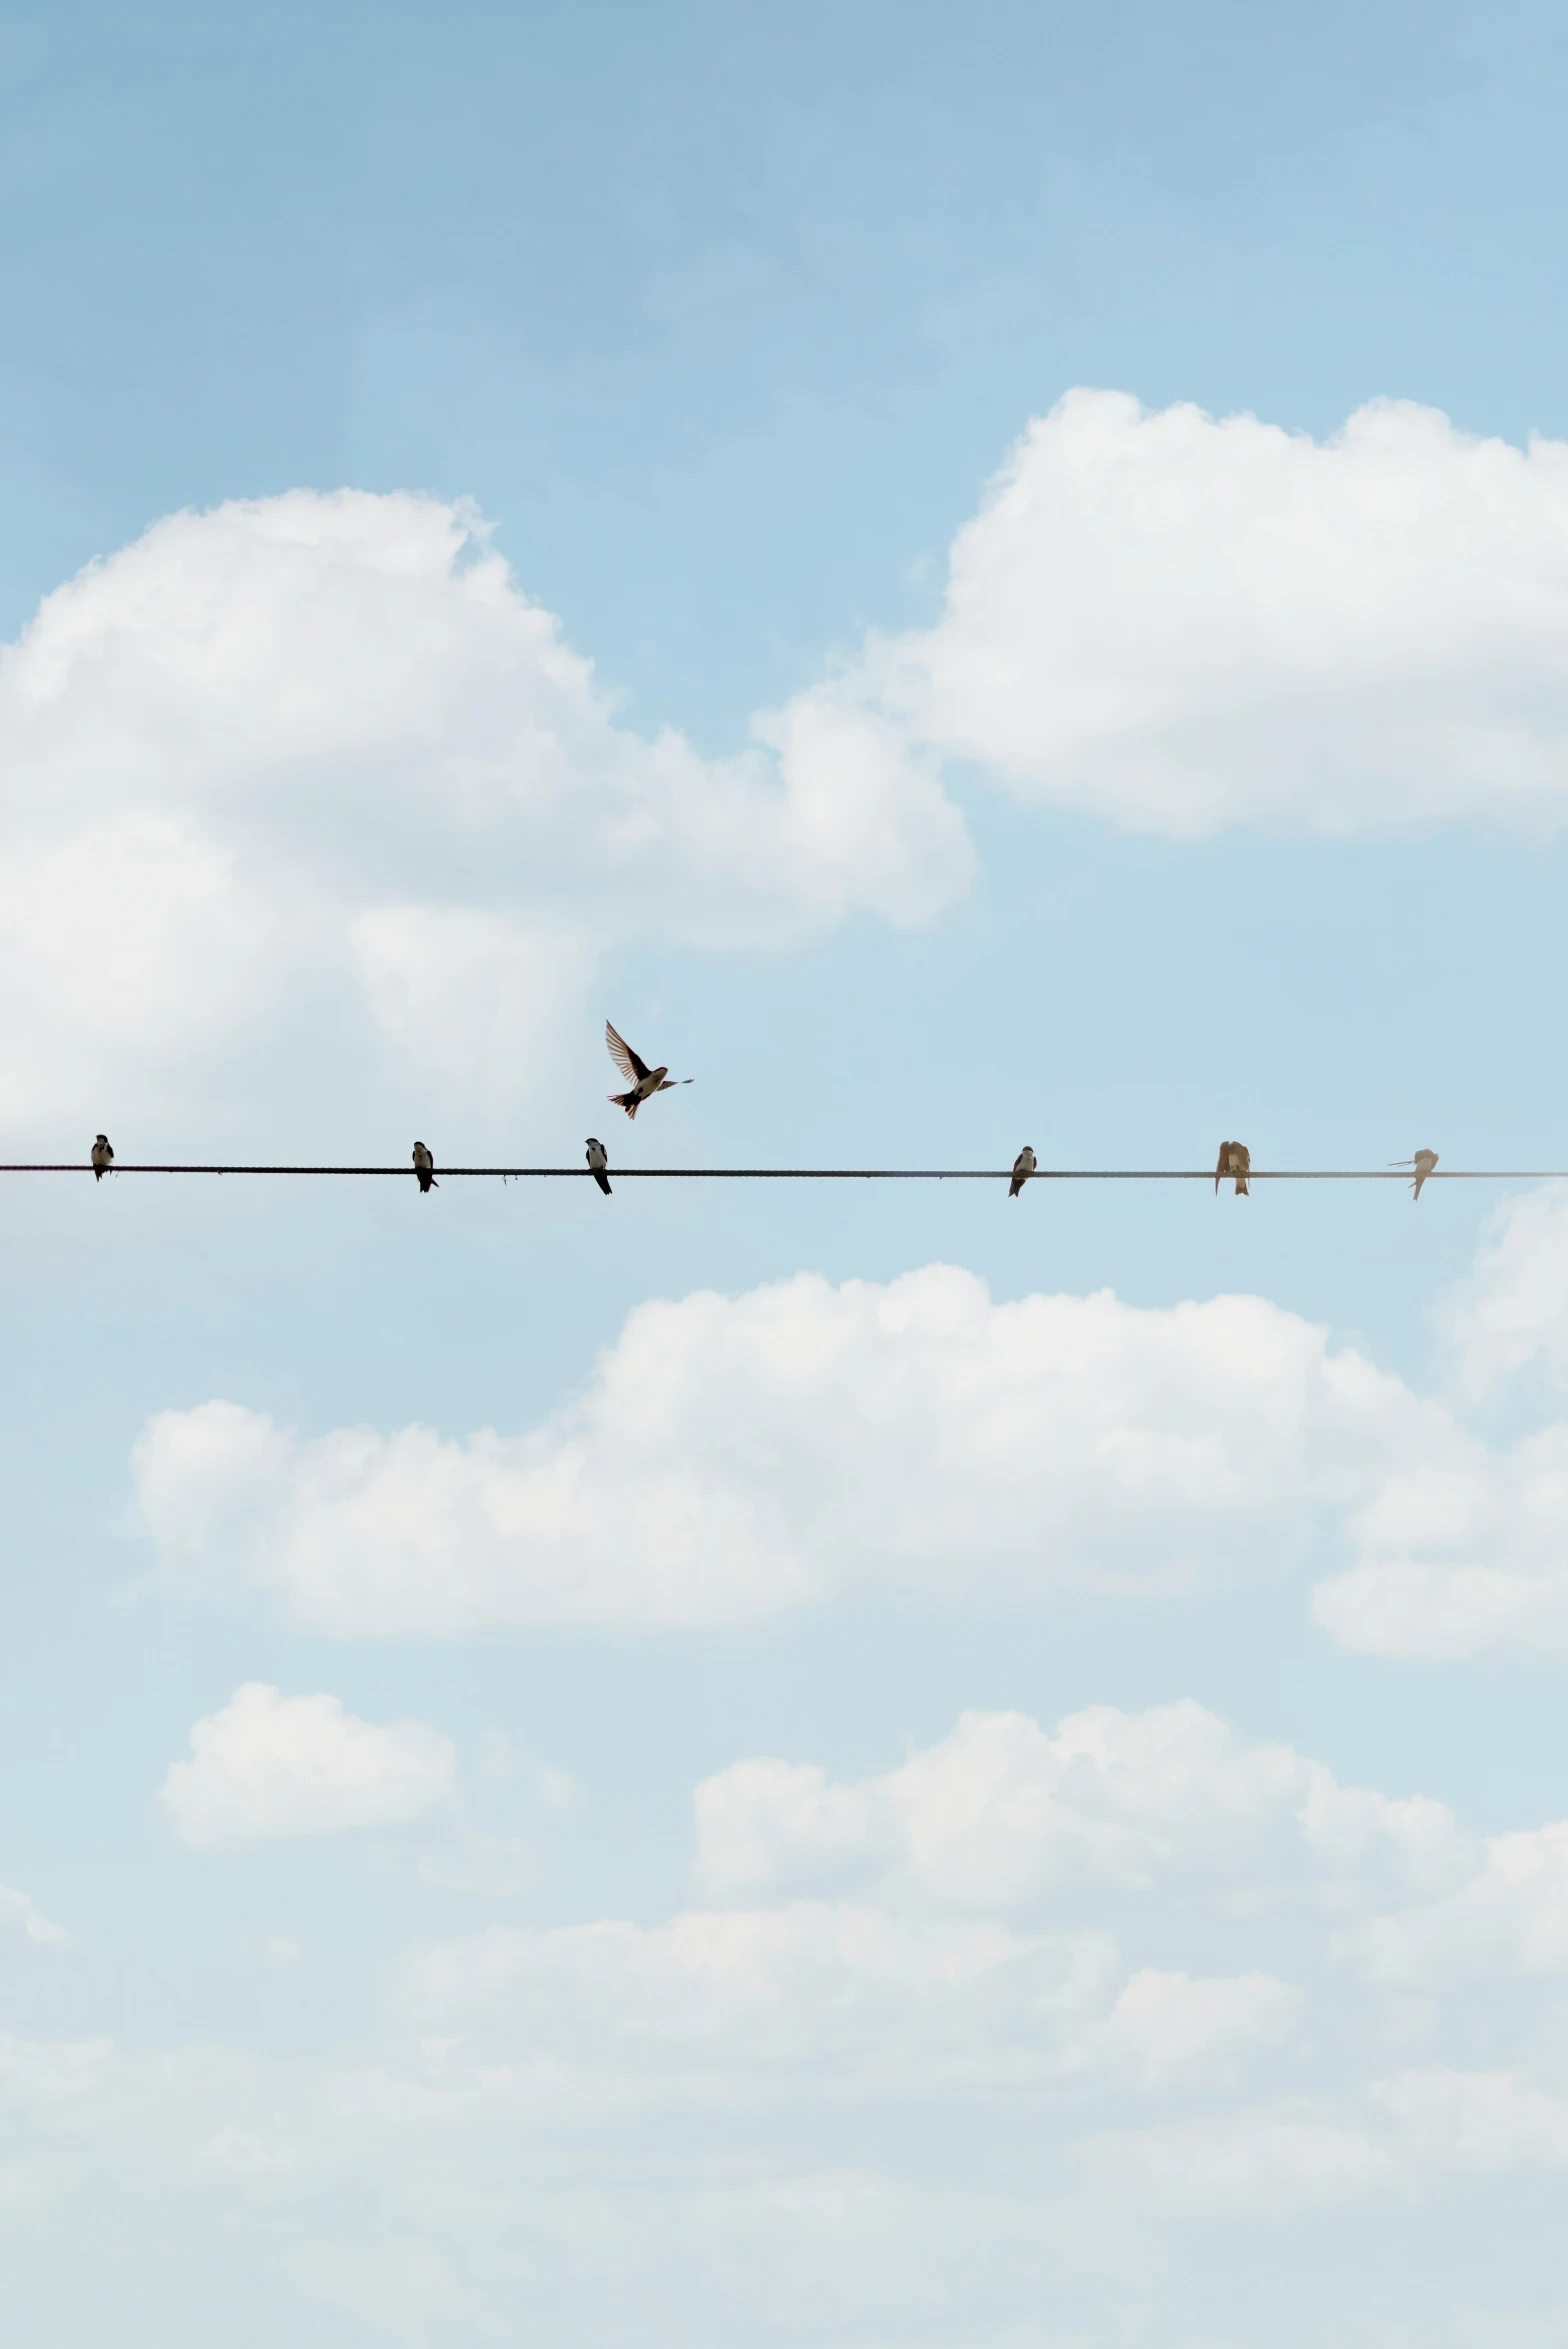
(425, 1168)
(598, 1160)
(644, 1081)
(103, 1158)
(1234, 1159)
(1023, 1168)
(1423, 1162)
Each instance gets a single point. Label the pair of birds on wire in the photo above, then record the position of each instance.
(643, 1083)
(1235, 1164)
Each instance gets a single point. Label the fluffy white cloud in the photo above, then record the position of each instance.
(1180, 622)
(1305, 2153)
(268, 1766)
(735, 1456)
(1509, 1917)
(831, 1998)
(317, 759)
(1001, 1811)
(1513, 1310)
(17, 1909)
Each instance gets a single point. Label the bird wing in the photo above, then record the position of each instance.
(625, 1059)
(1243, 1157)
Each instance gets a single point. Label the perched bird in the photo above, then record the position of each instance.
(598, 1160)
(1234, 1159)
(1423, 1162)
(425, 1168)
(1023, 1168)
(103, 1158)
(644, 1081)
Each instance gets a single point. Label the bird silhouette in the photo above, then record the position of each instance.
(598, 1160)
(1423, 1162)
(1023, 1168)
(1234, 1159)
(103, 1158)
(644, 1081)
(425, 1168)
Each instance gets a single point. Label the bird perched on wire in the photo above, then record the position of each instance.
(598, 1160)
(103, 1158)
(425, 1168)
(644, 1081)
(1423, 1162)
(1234, 1159)
(1023, 1168)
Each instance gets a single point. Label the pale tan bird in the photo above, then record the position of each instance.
(1234, 1159)
(103, 1158)
(644, 1081)
(1423, 1162)
(1023, 1168)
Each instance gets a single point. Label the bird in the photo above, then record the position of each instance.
(598, 1160)
(1423, 1162)
(103, 1158)
(645, 1081)
(1234, 1159)
(425, 1168)
(1023, 1168)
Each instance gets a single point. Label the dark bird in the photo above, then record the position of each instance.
(1234, 1159)
(1023, 1168)
(1423, 1162)
(425, 1168)
(598, 1160)
(103, 1158)
(644, 1081)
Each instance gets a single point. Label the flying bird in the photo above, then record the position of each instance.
(644, 1081)
(1423, 1162)
(1234, 1159)
(1023, 1168)
(103, 1158)
(598, 1160)
(425, 1168)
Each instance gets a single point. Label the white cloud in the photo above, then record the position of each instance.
(1000, 1812)
(315, 758)
(269, 1766)
(1278, 2160)
(1510, 1917)
(1513, 1310)
(25, 1915)
(1179, 622)
(827, 1998)
(736, 1456)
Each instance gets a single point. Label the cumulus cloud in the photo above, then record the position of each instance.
(1180, 621)
(1304, 2153)
(318, 758)
(739, 1455)
(269, 1766)
(18, 1910)
(836, 1997)
(1001, 1812)
(1512, 1312)
(1509, 1917)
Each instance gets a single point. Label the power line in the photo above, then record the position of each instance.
(846, 1174)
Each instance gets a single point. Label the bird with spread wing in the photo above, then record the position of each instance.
(644, 1081)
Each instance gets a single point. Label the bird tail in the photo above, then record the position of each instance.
(97, 1174)
(602, 1180)
(626, 1101)
(1415, 1187)
(1242, 1191)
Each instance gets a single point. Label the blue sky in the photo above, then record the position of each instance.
(946, 1771)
